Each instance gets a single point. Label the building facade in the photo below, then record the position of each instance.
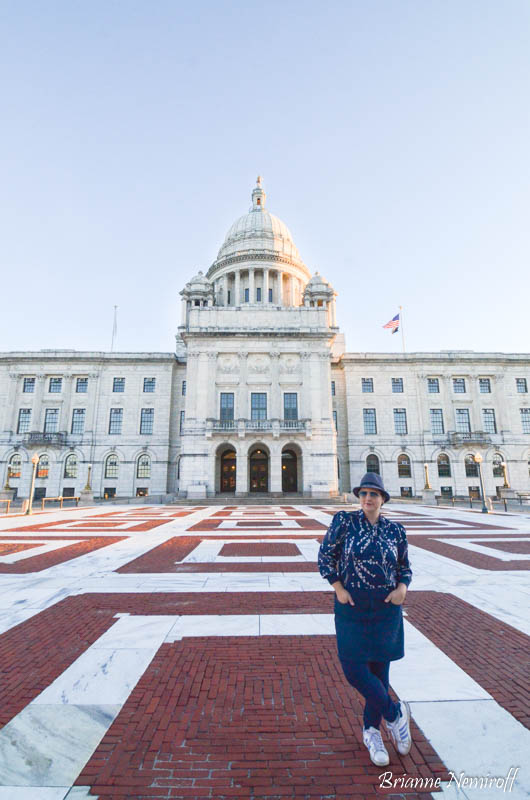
(261, 397)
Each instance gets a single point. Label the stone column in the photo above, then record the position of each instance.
(211, 411)
(275, 410)
(280, 287)
(275, 469)
(241, 472)
(291, 291)
(251, 286)
(68, 383)
(241, 410)
(305, 394)
(37, 414)
(202, 384)
(224, 285)
(333, 313)
(183, 308)
(12, 402)
(237, 290)
(192, 386)
(315, 379)
(265, 289)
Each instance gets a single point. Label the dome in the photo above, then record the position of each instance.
(259, 232)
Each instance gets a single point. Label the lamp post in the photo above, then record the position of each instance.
(505, 475)
(34, 461)
(88, 487)
(427, 484)
(478, 460)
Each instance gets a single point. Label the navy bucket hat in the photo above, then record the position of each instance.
(372, 481)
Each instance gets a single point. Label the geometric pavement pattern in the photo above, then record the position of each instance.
(189, 652)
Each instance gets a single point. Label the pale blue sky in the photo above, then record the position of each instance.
(393, 140)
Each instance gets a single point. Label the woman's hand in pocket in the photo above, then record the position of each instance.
(397, 596)
(343, 596)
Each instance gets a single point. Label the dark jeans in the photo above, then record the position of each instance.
(371, 680)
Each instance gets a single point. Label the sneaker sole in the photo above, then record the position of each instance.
(406, 752)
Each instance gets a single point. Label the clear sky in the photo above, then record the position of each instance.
(392, 137)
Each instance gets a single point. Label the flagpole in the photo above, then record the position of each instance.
(114, 328)
(401, 326)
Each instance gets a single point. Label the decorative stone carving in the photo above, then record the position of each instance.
(289, 364)
(259, 364)
(227, 364)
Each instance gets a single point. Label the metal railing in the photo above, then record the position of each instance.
(292, 424)
(459, 438)
(43, 438)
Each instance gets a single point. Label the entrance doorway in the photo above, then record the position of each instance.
(259, 471)
(289, 471)
(228, 471)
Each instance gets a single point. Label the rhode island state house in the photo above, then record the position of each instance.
(261, 398)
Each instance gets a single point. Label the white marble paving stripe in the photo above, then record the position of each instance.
(48, 743)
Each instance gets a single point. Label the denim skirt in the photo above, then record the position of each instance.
(371, 630)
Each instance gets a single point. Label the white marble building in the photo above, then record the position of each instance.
(260, 397)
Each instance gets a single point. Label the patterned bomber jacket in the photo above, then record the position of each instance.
(362, 555)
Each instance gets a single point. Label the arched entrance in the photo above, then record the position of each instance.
(289, 471)
(258, 470)
(228, 471)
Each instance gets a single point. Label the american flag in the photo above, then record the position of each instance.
(393, 324)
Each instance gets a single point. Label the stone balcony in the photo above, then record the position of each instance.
(457, 439)
(242, 427)
(43, 439)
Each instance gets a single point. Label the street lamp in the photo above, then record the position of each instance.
(505, 475)
(427, 484)
(34, 461)
(478, 460)
(88, 487)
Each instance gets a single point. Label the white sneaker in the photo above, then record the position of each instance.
(374, 743)
(400, 729)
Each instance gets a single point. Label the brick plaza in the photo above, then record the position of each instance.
(189, 652)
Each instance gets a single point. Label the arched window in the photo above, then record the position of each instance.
(43, 467)
(70, 466)
(471, 466)
(404, 470)
(498, 471)
(15, 466)
(372, 464)
(444, 466)
(143, 467)
(111, 466)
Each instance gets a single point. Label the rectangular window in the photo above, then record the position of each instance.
(397, 385)
(228, 297)
(367, 384)
(270, 295)
(149, 384)
(118, 385)
(290, 405)
(147, 416)
(51, 420)
(24, 420)
(258, 405)
(183, 387)
(488, 419)
(227, 407)
(29, 385)
(369, 419)
(400, 420)
(406, 491)
(116, 420)
(78, 420)
(462, 420)
(459, 385)
(181, 426)
(446, 491)
(333, 388)
(484, 385)
(246, 295)
(437, 421)
(525, 419)
(56, 385)
(81, 385)
(335, 420)
(433, 385)
(521, 385)
(258, 294)
(444, 466)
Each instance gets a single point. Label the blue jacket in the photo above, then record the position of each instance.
(364, 556)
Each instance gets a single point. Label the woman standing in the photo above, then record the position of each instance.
(364, 556)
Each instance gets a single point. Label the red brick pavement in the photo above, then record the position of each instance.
(521, 548)
(240, 524)
(59, 556)
(255, 717)
(257, 549)
(8, 549)
(469, 557)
